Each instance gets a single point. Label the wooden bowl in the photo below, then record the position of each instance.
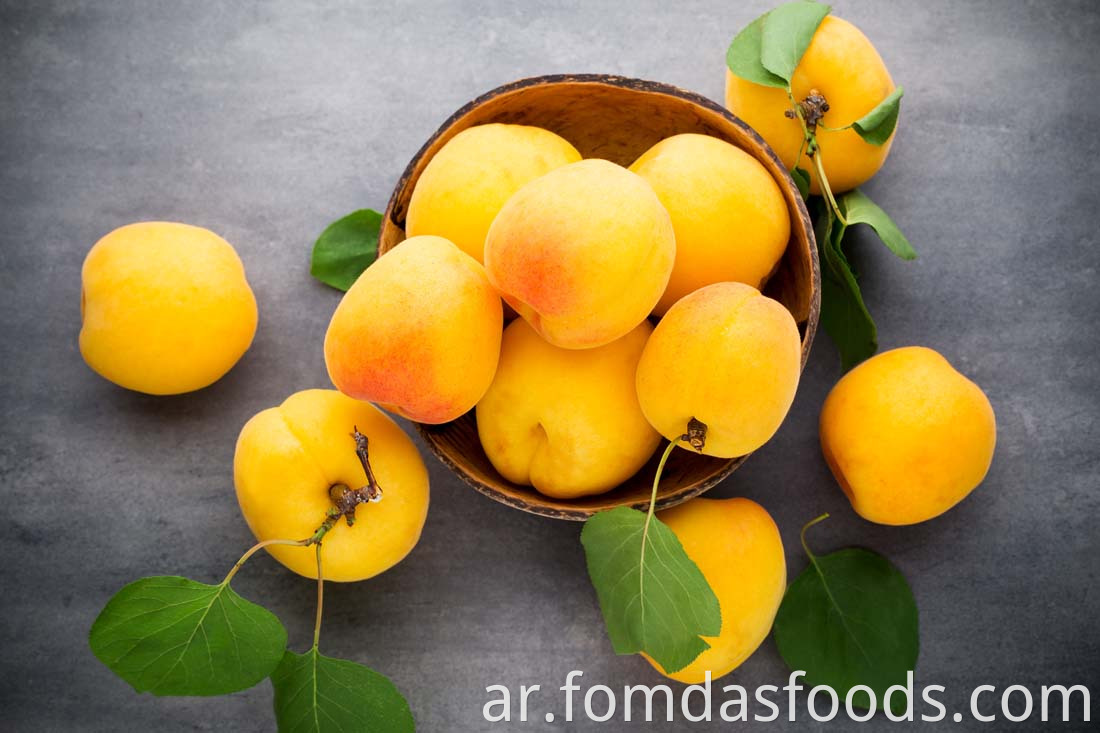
(618, 119)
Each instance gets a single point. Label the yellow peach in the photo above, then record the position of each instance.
(844, 67)
(730, 218)
(165, 307)
(582, 253)
(737, 547)
(289, 456)
(466, 183)
(566, 421)
(727, 356)
(907, 436)
(418, 333)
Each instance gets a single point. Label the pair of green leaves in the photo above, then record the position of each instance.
(169, 635)
(768, 50)
(347, 247)
(844, 315)
(653, 596)
(849, 619)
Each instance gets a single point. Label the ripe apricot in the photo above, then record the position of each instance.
(289, 456)
(727, 356)
(582, 253)
(464, 185)
(165, 307)
(418, 333)
(737, 547)
(843, 65)
(907, 436)
(730, 218)
(566, 421)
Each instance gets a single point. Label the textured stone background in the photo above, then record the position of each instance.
(265, 121)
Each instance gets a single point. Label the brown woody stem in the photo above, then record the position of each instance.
(345, 499)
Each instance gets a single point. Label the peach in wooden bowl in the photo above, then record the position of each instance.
(617, 119)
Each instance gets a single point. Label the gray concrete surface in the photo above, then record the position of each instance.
(264, 121)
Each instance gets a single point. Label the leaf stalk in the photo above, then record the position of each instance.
(802, 535)
(320, 599)
(253, 550)
(696, 437)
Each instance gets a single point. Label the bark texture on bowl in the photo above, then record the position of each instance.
(618, 119)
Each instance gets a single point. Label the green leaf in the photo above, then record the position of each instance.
(859, 209)
(788, 30)
(802, 180)
(319, 694)
(743, 56)
(844, 316)
(878, 125)
(346, 248)
(849, 619)
(173, 636)
(653, 596)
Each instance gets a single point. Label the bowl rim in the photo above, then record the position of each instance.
(558, 508)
